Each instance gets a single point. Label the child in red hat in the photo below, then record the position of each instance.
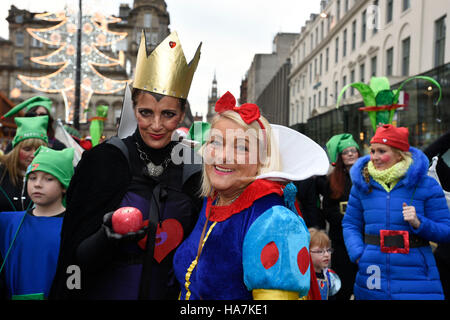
(394, 210)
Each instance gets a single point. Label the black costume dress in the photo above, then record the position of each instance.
(105, 180)
(333, 212)
(11, 195)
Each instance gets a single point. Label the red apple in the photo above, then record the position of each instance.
(127, 219)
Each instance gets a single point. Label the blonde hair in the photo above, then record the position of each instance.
(319, 238)
(272, 159)
(11, 160)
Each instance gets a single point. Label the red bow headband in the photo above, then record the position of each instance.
(249, 112)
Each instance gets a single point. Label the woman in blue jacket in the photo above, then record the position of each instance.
(394, 210)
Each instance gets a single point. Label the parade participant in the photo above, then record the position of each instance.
(30, 135)
(29, 240)
(320, 248)
(34, 107)
(247, 243)
(343, 152)
(135, 171)
(394, 210)
(438, 154)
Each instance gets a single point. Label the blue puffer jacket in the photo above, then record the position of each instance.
(396, 275)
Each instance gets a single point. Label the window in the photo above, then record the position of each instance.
(147, 20)
(320, 98)
(338, 10)
(376, 18)
(312, 42)
(20, 38)
(346, 5)
(322, 31)
(36, 43)
(354, 35)
(389, 61)
(439, 45)
(362, 73)
(406, 5)
(336, 84)
(320, 64)
(344, 83)
(389, 10)
(327, 58)
(373, 66)
(352, 80)
(406, 46)
(310, 73)
(325, 96)
(344, 49)
(336, 58)
(317, 36)
(363, 26)
(19, 59)
(315, 67)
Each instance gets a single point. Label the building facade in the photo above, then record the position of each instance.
(274, 100)
(15, 53)
(265, 65)
(354, 40)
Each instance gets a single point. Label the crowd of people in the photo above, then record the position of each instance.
(254, 210)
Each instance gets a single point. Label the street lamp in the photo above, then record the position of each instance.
(76, 116)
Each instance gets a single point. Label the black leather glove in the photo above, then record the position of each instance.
(128, 237)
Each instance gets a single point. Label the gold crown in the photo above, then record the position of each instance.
(165, 70)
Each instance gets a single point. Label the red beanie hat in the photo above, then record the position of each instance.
(392, 136)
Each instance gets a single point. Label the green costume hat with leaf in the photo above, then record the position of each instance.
(338, 143)
(97, 124)
(380, 101)
(30, 128)
(37, 101)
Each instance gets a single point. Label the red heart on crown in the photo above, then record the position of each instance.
(169, 235)
(172, 44)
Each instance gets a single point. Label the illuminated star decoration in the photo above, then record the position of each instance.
(95, 33)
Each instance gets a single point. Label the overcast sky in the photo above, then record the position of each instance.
(232, 32)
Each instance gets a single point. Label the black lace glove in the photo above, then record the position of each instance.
(128, 237)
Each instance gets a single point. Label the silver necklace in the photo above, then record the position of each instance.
(153, 170)
(235, 198)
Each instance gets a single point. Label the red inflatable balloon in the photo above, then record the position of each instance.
(127, 219)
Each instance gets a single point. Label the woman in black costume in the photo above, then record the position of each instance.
(142, 171)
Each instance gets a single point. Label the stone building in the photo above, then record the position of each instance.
(353, 40)
(15, 54)
(265, 65)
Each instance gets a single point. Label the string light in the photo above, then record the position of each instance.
(64, 36)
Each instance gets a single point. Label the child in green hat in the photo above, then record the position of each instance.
(30, 135)
(29, 240)
(343, 152)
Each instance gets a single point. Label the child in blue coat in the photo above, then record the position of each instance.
(394, 210)
(29, 240)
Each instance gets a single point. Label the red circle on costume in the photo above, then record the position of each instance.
(269, 255)
(303, 260)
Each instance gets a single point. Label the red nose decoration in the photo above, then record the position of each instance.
(172, 44)
(269, 255)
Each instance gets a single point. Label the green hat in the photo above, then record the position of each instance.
(338, 143)
(57, 163)
(198, 132)
(30, 128)
(37, 101)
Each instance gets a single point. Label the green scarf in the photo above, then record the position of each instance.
(388, 178)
